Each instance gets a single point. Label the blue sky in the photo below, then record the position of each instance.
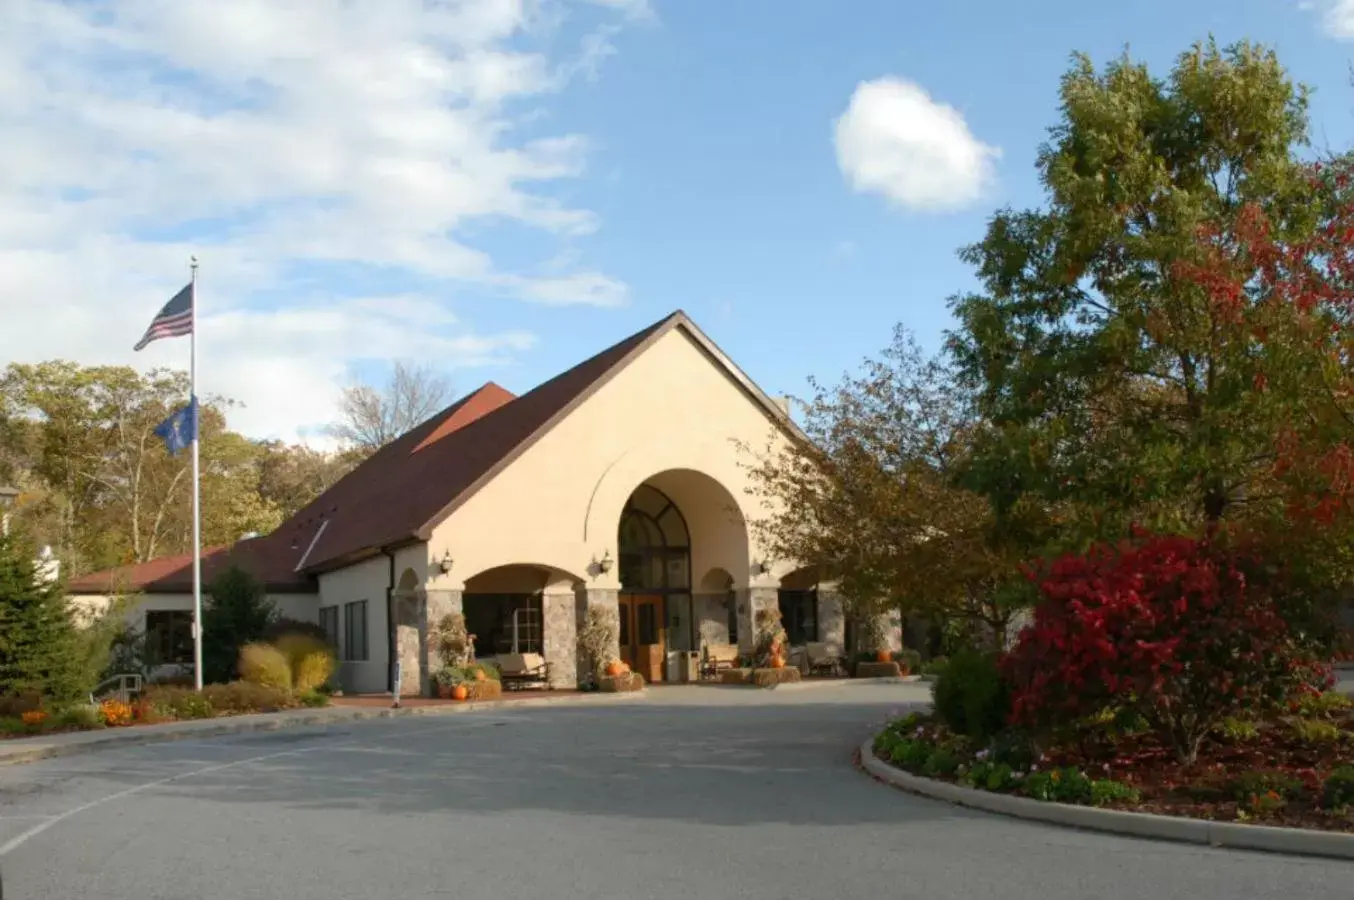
(500, 188)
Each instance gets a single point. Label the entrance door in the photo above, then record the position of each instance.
(642, 637)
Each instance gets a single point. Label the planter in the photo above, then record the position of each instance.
(883, 656)
(443, 691)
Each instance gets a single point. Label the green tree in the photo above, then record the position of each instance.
(1113, 380)
(237, 613)
(872, 497)
(40, 649)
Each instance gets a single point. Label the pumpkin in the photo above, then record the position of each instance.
(614, 668)
(777, 662)
(883, 656)
(460, 692)
(479, 675)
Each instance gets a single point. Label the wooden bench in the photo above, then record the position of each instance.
(718, 658)
(521, 670)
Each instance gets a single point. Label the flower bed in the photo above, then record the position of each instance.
(29, 715)
(1295, 770)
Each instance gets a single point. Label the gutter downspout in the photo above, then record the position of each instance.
(390, 623)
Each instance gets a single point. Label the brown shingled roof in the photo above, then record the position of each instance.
(398, 494)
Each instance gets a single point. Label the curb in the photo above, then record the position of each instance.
(334, 715)
(1293, 841)
(840, 682)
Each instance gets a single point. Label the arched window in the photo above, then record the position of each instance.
(654, 544)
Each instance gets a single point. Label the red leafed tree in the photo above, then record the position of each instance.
(1170, 627)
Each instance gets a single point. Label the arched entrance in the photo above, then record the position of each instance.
(655, 573)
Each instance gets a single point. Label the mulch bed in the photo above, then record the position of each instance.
(1207, 789)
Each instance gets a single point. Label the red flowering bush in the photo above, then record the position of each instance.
(1169, 627)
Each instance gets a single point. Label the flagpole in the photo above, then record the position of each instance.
(197, 511)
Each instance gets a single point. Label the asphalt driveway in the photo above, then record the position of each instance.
(696, 793)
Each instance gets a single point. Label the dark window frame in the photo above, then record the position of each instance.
(171, 637)
(792, 605)
(361, 652)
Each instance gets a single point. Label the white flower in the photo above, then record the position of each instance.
(981, 754)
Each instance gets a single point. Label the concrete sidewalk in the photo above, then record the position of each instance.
(24, 750)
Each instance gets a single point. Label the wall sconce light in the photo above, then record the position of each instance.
(604, 564)
(444, 564)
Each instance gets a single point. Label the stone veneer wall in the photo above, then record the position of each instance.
(559, 625)
(408, 615)
(712, 614)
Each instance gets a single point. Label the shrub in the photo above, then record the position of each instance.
(1238, 731)
(313, 698)
(773, 677)
(990, 776)
(450, 640)
(1260, 782)
(240, 697)
(1013, 747)
(597, 641)
(115, 713)
(285, 627)
(935, 666)
(491, 671)
(312, 660)
(941, 761)
(911, 754)
(1169, 627)
(1323, 705)
(265, 665)
(171, 702)
(971, 697)
(449, 676)
(16, 704)
(1316, 731)
(239, 613)
(1066, 785)
(34, 718)
(1338, 789)
(909, 659)
(1105, 791)
(81, 715)
(41, 649)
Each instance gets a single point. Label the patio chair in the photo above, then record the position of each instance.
(522, 670)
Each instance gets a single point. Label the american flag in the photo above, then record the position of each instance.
(174, 319)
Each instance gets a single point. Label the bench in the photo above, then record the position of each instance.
(820, 658)
(718, 658)
(521, 670)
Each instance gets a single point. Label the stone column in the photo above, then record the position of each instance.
(409, 614)
(831, 622)
(750, 600)
(599, 598)
(436, 604)
(559, 634)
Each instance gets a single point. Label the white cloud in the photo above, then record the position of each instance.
(897, 142)
(300, 149)
(1338, 19)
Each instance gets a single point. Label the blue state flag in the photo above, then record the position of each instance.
(180, 429)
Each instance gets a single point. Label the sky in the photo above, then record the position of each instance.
(501, 188)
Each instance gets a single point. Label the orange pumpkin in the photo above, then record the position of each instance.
(460, 692)
(614, 668)
(777, 662)
(883, 656)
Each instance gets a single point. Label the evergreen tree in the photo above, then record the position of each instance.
(39, 645)
(238, 613)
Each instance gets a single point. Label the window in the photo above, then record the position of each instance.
(495, 619)
(355, 631)
(169, 634)
(329, 621)
(799, 615)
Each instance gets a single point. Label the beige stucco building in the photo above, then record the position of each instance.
(619, 483)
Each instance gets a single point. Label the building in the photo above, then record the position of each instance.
(619, 483)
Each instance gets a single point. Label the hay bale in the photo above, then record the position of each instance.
(878, 670)
(773, 677)
(735, 676)
(489, 689)
(620, 684)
